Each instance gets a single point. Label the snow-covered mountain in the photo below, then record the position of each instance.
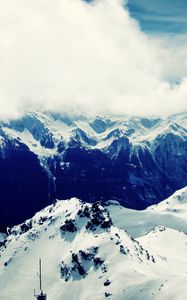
(85, 255)
(44, 156)
(170, 213)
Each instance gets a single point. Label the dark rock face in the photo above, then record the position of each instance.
(68, 226)
(99, 216)
(81, 263)
(107, 294)
(25, 227)
(36, 127)
(25, 186)
(107, 283)
(95, 217)
(77, 265)
(136, 179)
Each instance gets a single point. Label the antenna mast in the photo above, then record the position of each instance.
(40, 274)
(41, 296)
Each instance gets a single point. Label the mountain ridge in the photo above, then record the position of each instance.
(137, 161)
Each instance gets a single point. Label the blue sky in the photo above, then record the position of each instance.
(160, 16)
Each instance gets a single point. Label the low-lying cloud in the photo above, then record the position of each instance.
(67, 55)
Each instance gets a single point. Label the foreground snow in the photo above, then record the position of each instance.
(171, 213)
(86, 256)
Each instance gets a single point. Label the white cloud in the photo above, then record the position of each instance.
(68, 55)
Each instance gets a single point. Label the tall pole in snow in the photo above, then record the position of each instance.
(41, 296)
(40, 274)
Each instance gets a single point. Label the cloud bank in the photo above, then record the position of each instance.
(71, 56)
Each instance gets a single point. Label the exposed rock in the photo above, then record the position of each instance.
(99, 216)
(107, 294)
(68, 226)
(107, 282)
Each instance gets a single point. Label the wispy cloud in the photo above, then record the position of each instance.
(72, 56)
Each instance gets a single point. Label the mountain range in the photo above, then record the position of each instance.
(137, 161)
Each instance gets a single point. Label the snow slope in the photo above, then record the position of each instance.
(171, 213)
(86, 255)
(171, 244)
